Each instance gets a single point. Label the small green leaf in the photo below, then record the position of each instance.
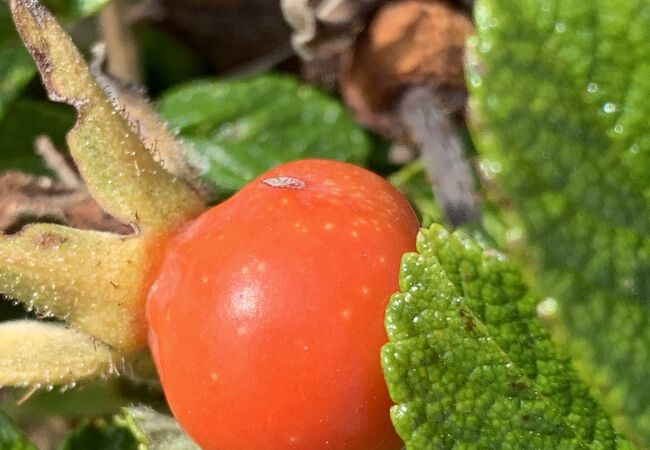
(16, 66)
(10, 437)
(135, 428)
(99, 435)
(238, 129)
(470, 365)
(561, 95)
(155, 431)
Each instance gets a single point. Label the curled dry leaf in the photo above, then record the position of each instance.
(408, 43)
(27, 198)
(323, 28)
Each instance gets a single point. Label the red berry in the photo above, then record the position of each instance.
(267, 316)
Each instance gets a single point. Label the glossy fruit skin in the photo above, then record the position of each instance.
(267, 316)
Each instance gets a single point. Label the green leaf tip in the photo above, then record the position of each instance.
(469, 363)
(561, 100)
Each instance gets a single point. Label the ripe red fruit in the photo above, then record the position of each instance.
(267, 316)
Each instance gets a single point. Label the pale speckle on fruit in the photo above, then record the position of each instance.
(214, 376)
(245, 302)
(284, 182)
(261, 267)
(346, 314)
(354, 234)
(328, 226)
(365, 291)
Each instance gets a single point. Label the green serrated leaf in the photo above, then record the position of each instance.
(470, 365)
(11, 438)
(238, 129)
(16, 66)
(153, 430)
(561, 94)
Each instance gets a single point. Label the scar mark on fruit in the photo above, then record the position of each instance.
(49, 240)
(284, 182)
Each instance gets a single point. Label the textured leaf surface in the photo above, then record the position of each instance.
(238, 129)
(562, 102)
(38, 267)
(29, 348)
(470, 365)
(10, 437)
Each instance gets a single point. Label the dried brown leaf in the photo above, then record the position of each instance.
(27, 199)
(408, 43)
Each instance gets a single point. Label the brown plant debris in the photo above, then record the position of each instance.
(27, 199)
(230, 34)
(408, 43)
(323, 28)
